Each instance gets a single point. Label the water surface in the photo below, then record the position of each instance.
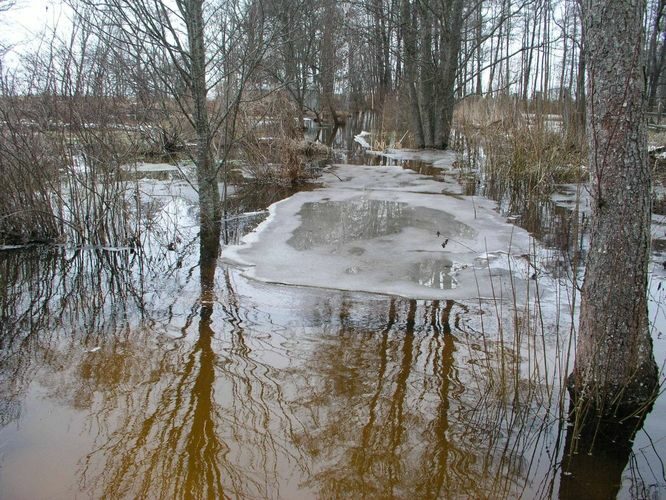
(165, 372)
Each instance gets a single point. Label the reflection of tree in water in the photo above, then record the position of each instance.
(342, 222)
(53, 299)
(387, 397)
(596, 453)
(392, 410)
(164, 437)
(171, 417)
(200, 422)
(371, 394)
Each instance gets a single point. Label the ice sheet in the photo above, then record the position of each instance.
(438, 158)
(389, 230)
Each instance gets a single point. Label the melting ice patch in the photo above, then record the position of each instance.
(437, 158)
(387, 230)
(336, 223)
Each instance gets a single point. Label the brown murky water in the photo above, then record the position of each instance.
(166, 374)
(146, 388)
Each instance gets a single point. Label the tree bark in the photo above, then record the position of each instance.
(450, 48)
(427, 74)
(614, 364)
(409, 23)
(209, 195)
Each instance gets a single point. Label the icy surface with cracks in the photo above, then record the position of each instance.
(385, 230)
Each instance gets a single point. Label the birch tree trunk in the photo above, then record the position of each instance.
(614, 364)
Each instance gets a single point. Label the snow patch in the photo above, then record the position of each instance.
(360, 139)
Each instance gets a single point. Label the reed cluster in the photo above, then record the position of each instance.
(528, 148)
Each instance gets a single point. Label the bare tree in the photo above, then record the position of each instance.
(656, 51)
(293, 58)
(195, 54)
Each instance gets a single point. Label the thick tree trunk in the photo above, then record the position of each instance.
(409, 23)
(614, 361)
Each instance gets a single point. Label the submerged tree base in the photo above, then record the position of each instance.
(630, 397)
(597, 451)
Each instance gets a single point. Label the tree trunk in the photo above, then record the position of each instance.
(565, 52)
(527, 71)
(655, 61)
(615, 365)
(450, 48)
(581, 101)
(408, 15)
(427, 76)
(477, 44)
(328, 62)
(209, 195)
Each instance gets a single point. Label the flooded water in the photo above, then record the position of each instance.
(167, 372)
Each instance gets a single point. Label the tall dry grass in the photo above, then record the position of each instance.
(527, 150)
(392, 124)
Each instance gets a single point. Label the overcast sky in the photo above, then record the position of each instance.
(23, 23)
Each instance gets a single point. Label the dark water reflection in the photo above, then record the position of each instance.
(239, 389)
(595, 456)
(341, 222)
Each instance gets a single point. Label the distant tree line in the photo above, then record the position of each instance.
(333, 58)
